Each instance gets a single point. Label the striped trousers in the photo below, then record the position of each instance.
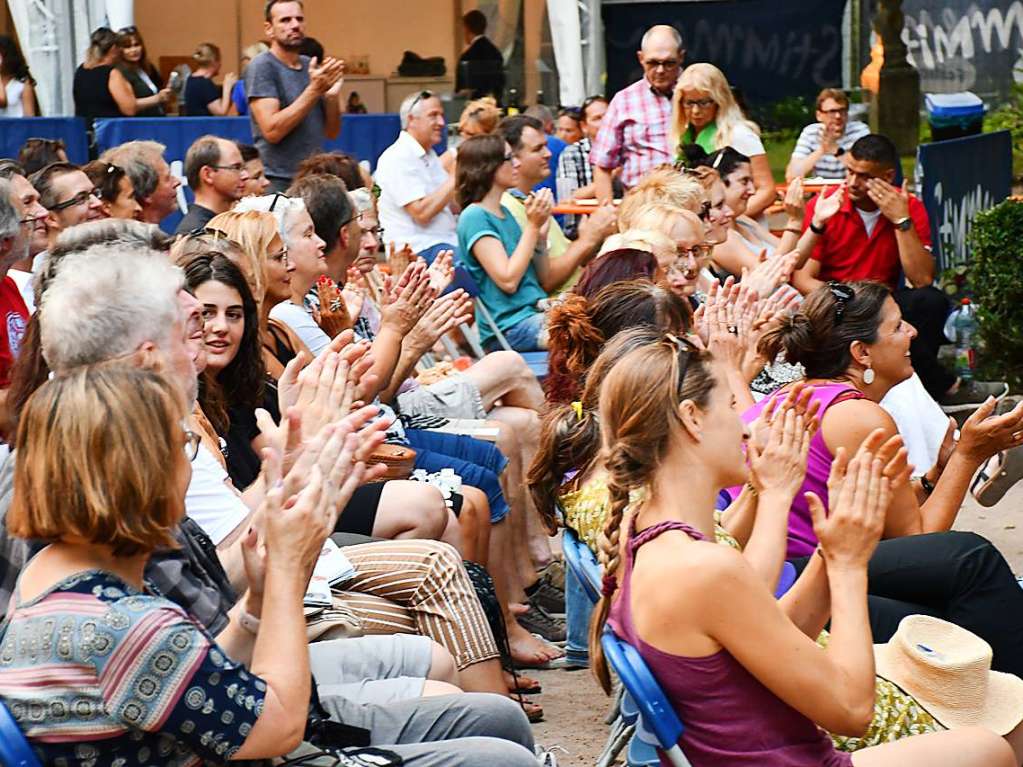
(418, 587)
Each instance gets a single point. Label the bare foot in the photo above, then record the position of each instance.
(517, 608)
(521, 683)
(527, 650)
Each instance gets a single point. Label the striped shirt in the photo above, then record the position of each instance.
(634, 132)
(828, 166)
(97, 673)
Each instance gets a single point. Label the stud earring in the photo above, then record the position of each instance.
(868, 376)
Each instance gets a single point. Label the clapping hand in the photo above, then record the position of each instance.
(778, 452)
(770, 273)
(826, 207)
(407, 301)
(538, 208)
(983, 435)
(795, 202)
(333, 316)
(447, 313)
(859, 494)
(442, 271)
(322, 77)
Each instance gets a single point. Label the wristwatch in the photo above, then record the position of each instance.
(818, 230)
(904, 224)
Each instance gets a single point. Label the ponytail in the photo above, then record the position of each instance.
(574, 343)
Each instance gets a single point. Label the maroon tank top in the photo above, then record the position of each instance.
(730, 718)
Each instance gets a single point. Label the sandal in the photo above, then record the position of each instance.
(533, 711)
(997, 475)
(521, 684)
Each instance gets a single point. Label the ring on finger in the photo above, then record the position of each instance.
(733, 330)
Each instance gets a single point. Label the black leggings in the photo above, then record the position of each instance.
(958, 577)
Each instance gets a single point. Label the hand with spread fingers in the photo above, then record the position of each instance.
(778, 467)
(892, 201)
(409, 299)
(770, 274)
(446, 314)
(983, 435)
(442, 271)
(827, 206)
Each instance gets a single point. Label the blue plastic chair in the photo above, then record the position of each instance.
(786, 579)
(14, 748)
(582, 563)
(656, 716)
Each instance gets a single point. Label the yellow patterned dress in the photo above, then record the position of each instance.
(897, 715)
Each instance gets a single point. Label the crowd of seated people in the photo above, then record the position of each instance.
(287, 481)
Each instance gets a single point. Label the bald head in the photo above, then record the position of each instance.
(661, 54)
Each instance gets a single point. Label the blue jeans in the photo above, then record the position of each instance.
(578, 610)
(478, 463)
(525, 336)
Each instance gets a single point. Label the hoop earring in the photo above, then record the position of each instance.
(868, 376)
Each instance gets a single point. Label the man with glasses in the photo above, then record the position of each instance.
(633, 135)
(821, 145)
(868, 229)
(33, 228)
(217, 174)
(294, 101)
(417, 196)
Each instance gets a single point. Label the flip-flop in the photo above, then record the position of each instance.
(523, 684)
(992, 483)
(533, 711)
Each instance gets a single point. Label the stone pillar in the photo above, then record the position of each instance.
(895, 111)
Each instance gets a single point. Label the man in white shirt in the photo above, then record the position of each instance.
(416, 194)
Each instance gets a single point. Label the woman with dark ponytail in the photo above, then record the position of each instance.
(854, 345)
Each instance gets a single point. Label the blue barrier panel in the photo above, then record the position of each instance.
(14, 131)
(959, 178)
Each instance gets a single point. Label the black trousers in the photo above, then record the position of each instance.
(958, 577)
(926, 309)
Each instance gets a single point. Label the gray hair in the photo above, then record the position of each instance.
(284, 207)
(8, 213)
(410, 102)
(138, 158)
(542, 113)
(654, 31)
(362, 199)
(105, 302)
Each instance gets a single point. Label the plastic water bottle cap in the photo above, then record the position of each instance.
(966, 302)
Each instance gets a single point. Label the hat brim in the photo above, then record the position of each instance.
(1001, 712)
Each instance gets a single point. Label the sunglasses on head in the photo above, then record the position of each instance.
(842, 294)
(684, 350)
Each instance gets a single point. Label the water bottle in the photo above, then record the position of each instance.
(964, 324)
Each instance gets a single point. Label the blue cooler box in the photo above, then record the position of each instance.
(954, 115)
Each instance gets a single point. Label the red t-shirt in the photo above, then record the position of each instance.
(14, 314)
(847, 254)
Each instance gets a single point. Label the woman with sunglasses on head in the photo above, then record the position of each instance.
(742, 672)
(116, 193)
(480, 116)
(854, 346)
(704, 112)
(100, 90)
(139, 71)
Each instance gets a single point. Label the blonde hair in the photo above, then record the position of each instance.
(206, 54)
(710, 79)
(251, 51)
(253, 231)
(660, 245)
(480, 115)
(97, 448)
(666, 186)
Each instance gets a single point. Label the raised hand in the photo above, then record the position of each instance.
(828, 206)
(447, 313)
(778, 467)
(442, 271)
(323, 76)
(538, 207)
(859, 494)
(893, 202)
(334, 316)
(409, 300)
(985, 434)
(770, 274)
(398, 259)
(795, 201)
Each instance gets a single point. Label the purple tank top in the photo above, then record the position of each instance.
(801, 538)
(731, 719)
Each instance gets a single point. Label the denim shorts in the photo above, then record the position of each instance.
(530, 335)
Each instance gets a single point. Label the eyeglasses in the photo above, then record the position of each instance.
(192, 441)
(79, 199)
(698, 103)
(127, 30)
(698, 252)
(208, 231)
(842, 294)
(661, 63)
(704, 213)
(834, 112)
(509, 157)
(377, 231)
(236, 167)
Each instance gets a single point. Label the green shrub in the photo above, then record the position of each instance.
(996, 281)
(1009, 117)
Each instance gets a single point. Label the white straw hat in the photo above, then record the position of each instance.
(948, 670)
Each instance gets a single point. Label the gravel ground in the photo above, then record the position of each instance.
(575, 705)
